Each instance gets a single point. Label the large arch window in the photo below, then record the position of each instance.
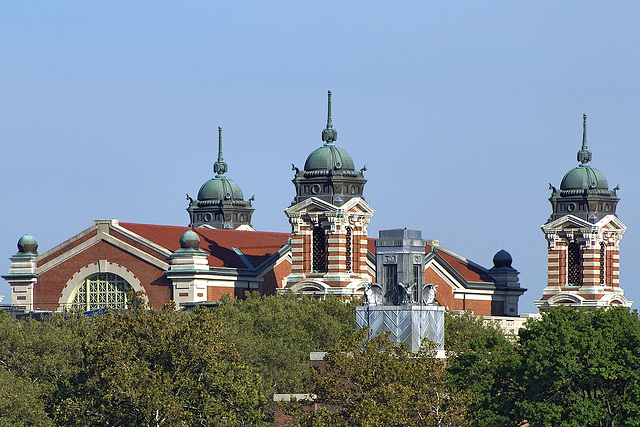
(574, 266)
(101, 290)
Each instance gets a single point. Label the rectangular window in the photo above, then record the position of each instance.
(417, 282)
(391, 281)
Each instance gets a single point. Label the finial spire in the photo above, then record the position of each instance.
(329, 134)
(220, 167)
(584, 155)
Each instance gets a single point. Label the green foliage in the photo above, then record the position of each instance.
(20, 402)
(374, 382)
(160, 368)
(144, 367)
(575, 367)
(274, 335)
(461, 328)
(582, 368)
(37, 361)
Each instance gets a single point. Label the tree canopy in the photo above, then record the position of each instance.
(376, 382)
(574, 367)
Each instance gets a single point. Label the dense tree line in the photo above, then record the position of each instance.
(214, 366)
(221, 366)
(574, 367)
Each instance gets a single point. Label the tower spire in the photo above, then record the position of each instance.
(329, 134)
(584, 155)
(220, 167)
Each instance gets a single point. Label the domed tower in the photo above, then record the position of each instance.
(329, 219)
(329, 172)
(220, 202)
(583, 237)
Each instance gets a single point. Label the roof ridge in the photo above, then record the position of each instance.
(213, 229)
(460, 257)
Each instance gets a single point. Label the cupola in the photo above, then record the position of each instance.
(584, 191)
(329, 172)
(220, 202)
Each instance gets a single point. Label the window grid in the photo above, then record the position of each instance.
(574, 275)
(101, 290)
(602, 261)
(319, 250)
(348, 249)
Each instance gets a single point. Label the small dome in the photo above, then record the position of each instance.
(189, 240)
(584, 177)
(329, 157)
(27, 244)
(220, 189)
(502, 259)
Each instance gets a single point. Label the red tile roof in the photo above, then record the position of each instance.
(470, 271)
(257, 246)
(371, 245)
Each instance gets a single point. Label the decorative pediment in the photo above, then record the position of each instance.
(101, 232)
(610, 222)
(358, 205)
(314, 204)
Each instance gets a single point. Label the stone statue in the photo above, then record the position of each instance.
(429, 294)
(372, 294)
(404, 294)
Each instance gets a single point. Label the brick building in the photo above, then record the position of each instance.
(583, 238)
(327, 252)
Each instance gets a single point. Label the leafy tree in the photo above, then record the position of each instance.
(574, 367)
(21, 403)
(159, 368)
(375, 382)
(461, 328)
(274, 335)
(37, 361)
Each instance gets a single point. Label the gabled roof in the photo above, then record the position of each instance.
(224, 248)
(466, 269)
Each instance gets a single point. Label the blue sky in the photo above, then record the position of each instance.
(463, 112)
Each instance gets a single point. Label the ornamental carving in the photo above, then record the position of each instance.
(390, 259)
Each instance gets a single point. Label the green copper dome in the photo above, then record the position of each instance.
(584, 191)
(189, 240)
(584, 177)
(329, 157)
(28, 244)
(219, 189)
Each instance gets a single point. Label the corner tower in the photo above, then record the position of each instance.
(583, 238)
(220, 202)
(329, 219)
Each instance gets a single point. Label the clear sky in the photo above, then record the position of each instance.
(463, 112)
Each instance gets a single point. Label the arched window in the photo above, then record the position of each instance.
(574, 266)
(349, 249)
(319, 250)
(603, 258)
(101, 290)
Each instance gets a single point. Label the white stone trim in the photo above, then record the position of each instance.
(102, 266)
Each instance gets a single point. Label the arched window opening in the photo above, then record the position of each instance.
(603, 258)
(349, 249)
(319, 250)
(101, 290)
(574, 270)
